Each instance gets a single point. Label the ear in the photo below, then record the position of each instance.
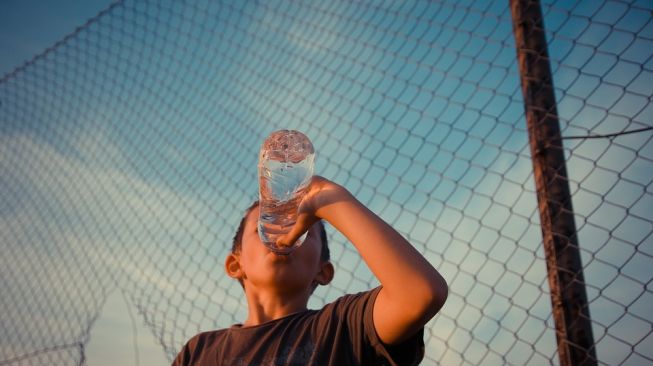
(325, 275)
(232, 266)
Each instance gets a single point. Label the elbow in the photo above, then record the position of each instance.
(439, 291)
(427, 300)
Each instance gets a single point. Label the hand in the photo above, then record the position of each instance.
(321, 193)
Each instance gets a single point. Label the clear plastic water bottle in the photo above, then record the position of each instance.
(286, 164)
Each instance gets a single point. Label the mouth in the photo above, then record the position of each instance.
(280, 250)
(282, 253)
(280, 258)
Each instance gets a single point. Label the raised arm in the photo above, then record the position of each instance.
(412, 290)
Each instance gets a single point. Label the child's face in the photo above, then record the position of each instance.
(263, 268)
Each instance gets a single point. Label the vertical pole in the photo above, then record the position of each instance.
(565, 272)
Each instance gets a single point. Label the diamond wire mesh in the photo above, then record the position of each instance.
(129, 152)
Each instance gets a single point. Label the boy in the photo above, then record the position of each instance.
(383, 326)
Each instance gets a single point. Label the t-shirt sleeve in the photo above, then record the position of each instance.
(357, 310)
(195, 350)
(183, 357)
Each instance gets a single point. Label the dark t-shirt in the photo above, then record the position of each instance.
(341, 333)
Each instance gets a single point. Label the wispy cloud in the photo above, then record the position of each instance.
(78, 227)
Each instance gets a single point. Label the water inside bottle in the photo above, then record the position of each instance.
(285, 169)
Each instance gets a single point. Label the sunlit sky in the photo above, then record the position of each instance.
(133, 146)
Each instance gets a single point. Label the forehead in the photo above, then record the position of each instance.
(252, 217)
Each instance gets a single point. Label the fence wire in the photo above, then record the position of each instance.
(128, 154)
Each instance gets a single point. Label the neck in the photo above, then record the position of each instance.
(264, 306)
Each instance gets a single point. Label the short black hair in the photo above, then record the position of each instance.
(237, 244)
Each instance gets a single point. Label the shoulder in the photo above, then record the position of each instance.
(204, 338)
(353, 302)
(350, 314)
(199, 345)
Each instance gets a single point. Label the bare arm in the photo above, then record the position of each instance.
(413, 291)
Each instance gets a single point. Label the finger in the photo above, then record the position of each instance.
(303, 223)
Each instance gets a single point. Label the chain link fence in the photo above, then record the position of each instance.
(128, 154)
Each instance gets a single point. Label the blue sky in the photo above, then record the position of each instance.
(133, 146)
(28, 27)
